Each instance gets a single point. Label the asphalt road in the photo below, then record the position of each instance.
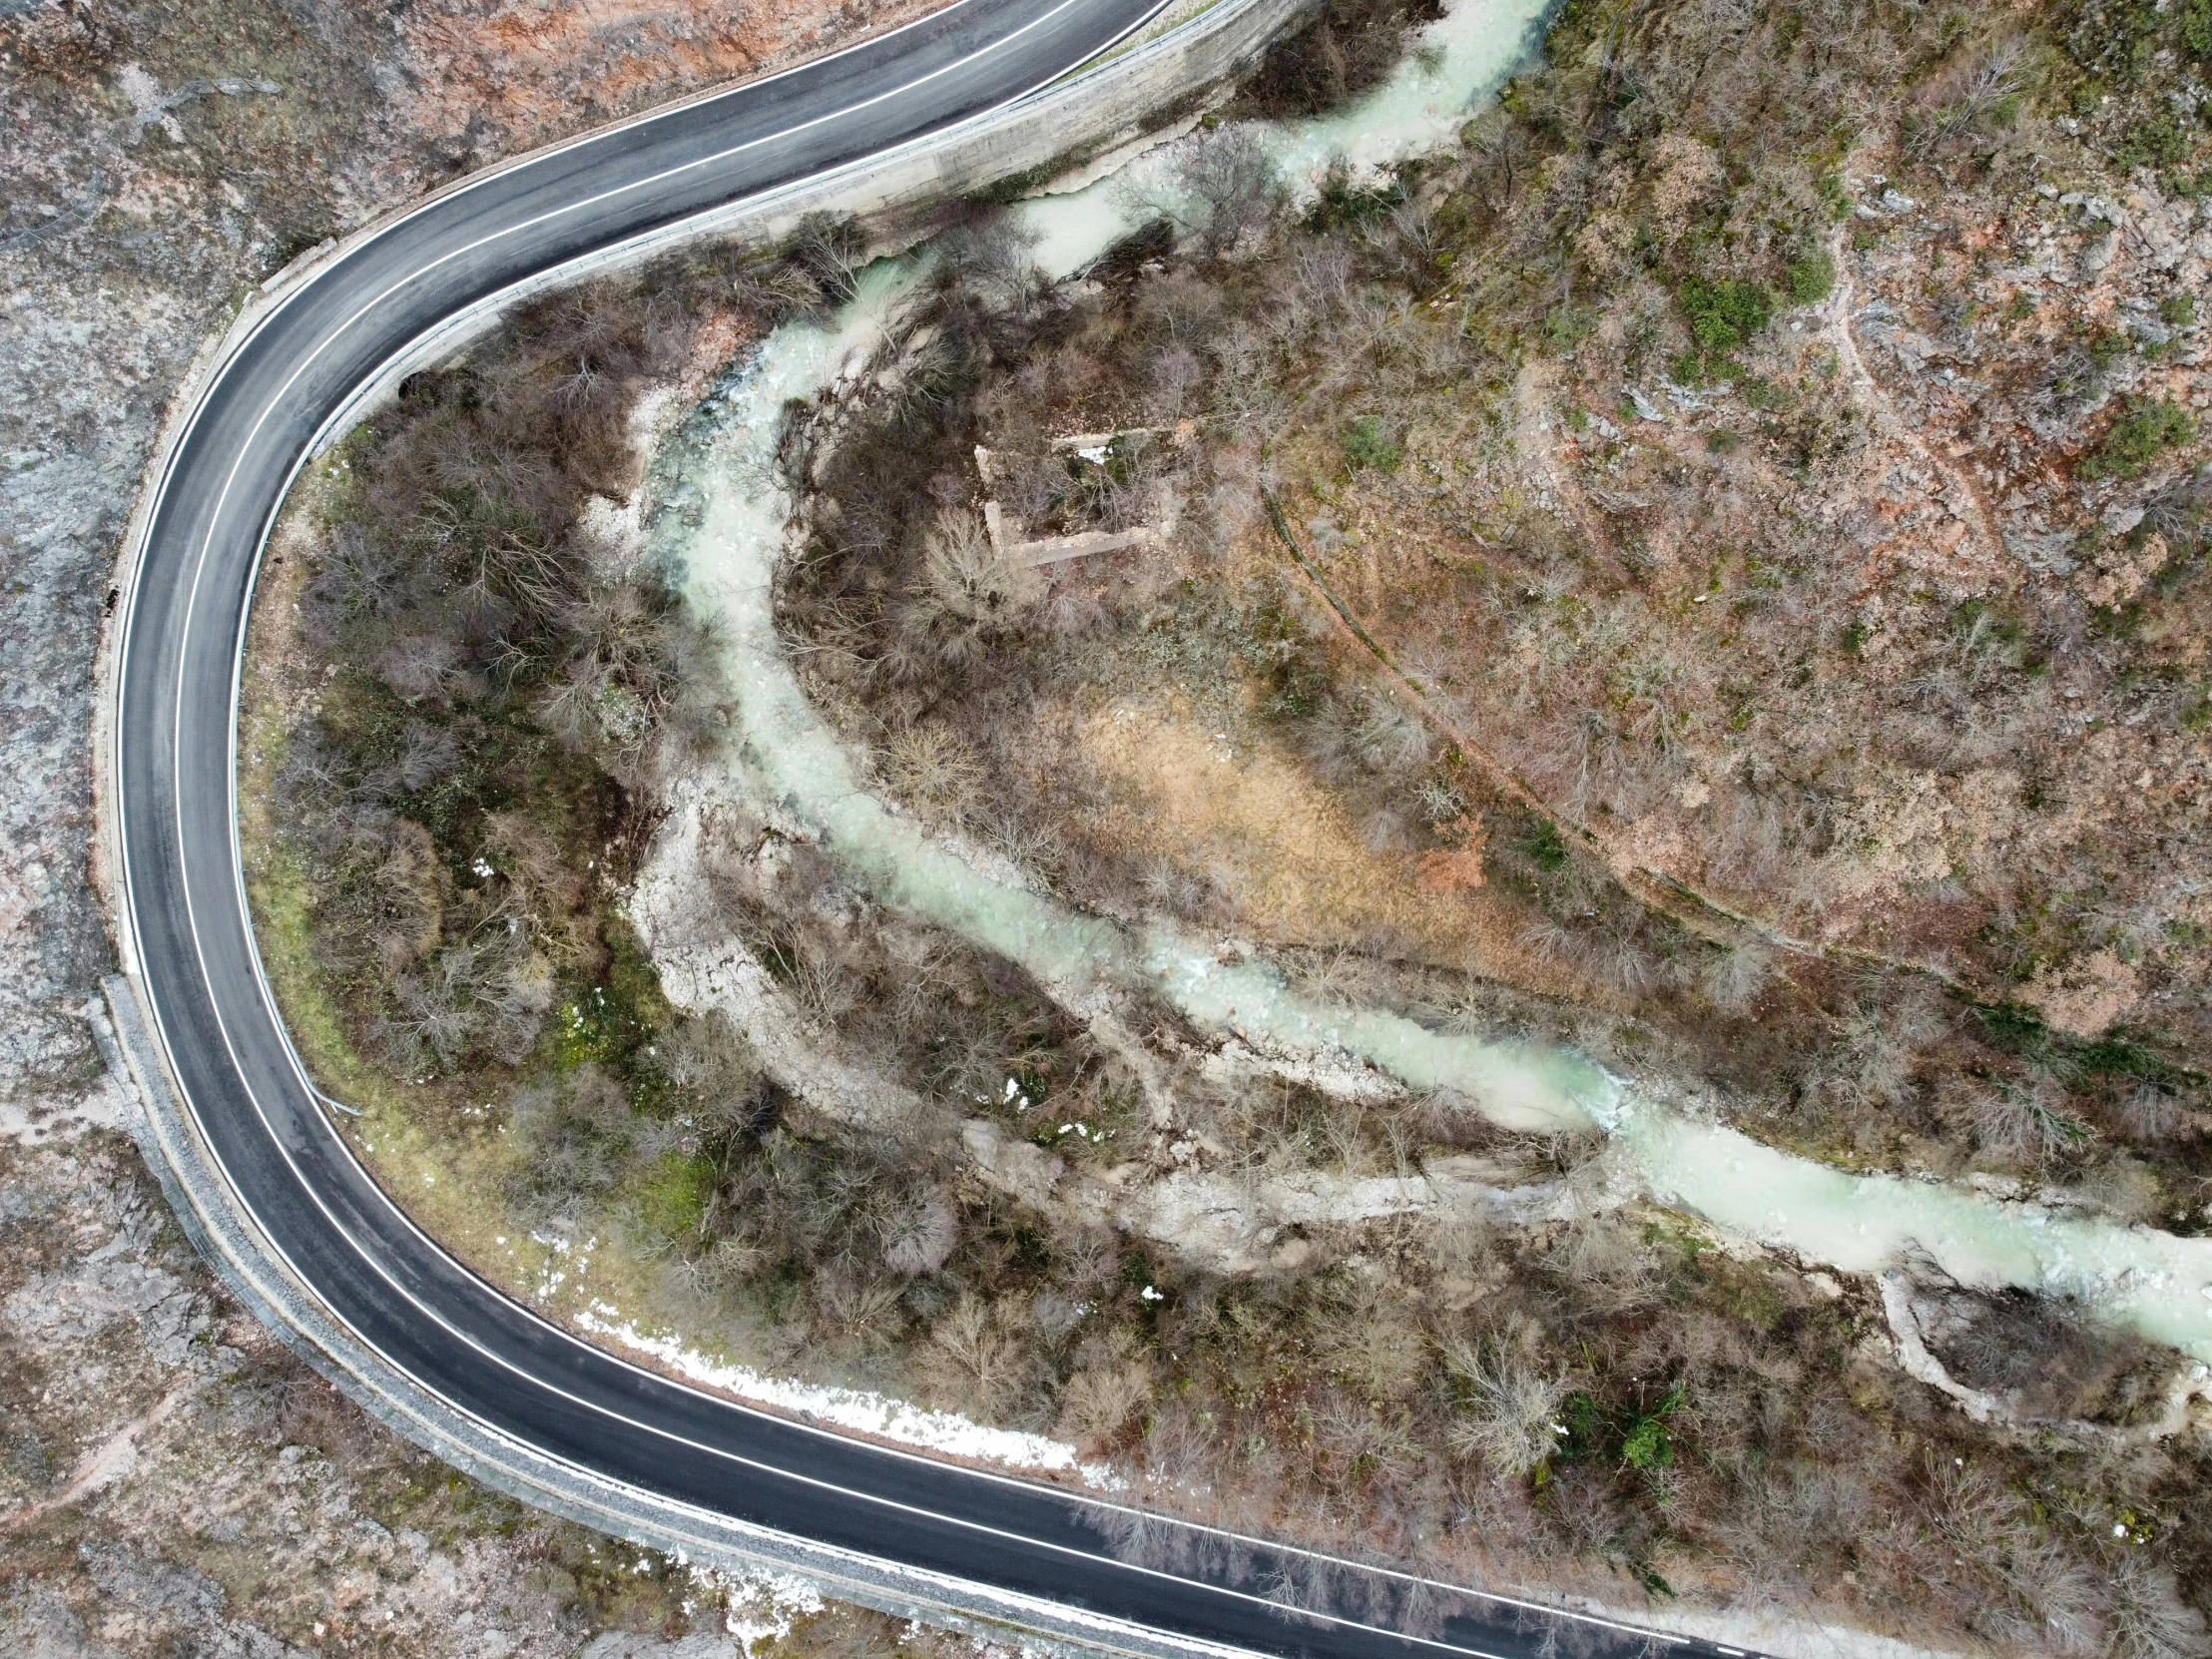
(174, 777)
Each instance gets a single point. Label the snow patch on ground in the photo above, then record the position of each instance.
(1767, 1631)
(764, 1608)
(858, 1409)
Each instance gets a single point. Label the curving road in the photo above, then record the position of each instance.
(184, 921)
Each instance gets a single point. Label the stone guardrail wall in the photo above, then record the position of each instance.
(1086, 115)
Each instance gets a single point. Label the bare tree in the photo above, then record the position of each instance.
(829, 252)
(964, 575)
(2024, 1121)
(974, 1356)
(1734, 977)
(1232, 186)
(1508, 1409)
(919, 1233)
(2145, 1618)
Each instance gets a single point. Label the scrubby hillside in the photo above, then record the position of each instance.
(1710, 572)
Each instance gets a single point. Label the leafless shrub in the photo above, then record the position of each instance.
(932, 769)
(2150, 1113)
(776, 286)
(1369, 1342)
(1508, 1404)
(416, 665)
(1410, 242)
(1179, 891)
(386, 904)
(2178, 511)
(1618, 951)
(485, 994)
(2027, 1122)
(1986, 83)
(1504, 156)
(718, 1073)
(578, 1137)
(1375, 736)
(1549, 939)
(1246, 396)
(1036, 849)
(1175, 372)
(1097, 1403)
(825, 992)
(925, 971)
(576, 707)
(426, 753)
(1231, 180)
(1439, 801)
(1654, 688)
(1790, 1513)
(2003, 1570)
(1734, 977)
(975, 1359)
(856, 1309)
(919, 1232)
(1754, 841)
(461, 590)
(2145, 1618)
(830, 251)
(1872, 1063)
(1721, 19)
(1323, 274)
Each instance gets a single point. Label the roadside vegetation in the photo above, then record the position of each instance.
(466, 679)
(1550, 623)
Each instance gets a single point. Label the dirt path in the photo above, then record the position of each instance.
(1889, 421)
(106, 1463)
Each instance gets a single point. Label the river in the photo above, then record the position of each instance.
(786, 752)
